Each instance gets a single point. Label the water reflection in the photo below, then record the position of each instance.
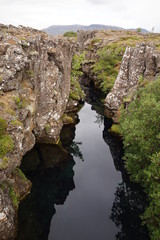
(127, 206)
(50, 170)
(129, 201)
(86, 214)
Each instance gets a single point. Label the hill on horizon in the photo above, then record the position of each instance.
(61, 29)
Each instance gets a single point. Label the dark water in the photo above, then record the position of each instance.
(81, 193)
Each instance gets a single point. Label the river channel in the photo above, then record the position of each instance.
(81, 193)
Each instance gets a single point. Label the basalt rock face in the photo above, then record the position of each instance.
(34, 91)
(7, 217)
(139, 64)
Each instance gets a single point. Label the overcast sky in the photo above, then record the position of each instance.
(44, 13)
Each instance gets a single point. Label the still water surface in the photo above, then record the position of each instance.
(85, 213)
(81, 195)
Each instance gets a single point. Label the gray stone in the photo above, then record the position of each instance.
(141, 62)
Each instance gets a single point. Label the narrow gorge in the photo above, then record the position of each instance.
(44, 82)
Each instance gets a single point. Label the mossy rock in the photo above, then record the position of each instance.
(13, 196)
(48, 128)
(67, 119)
(6, 145)
(115, 129)
(3, 162)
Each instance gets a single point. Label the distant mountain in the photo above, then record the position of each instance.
(61, 29)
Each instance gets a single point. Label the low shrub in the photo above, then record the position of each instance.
(141, 132)
(70, 34)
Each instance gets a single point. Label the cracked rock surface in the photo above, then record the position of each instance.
(34, 91)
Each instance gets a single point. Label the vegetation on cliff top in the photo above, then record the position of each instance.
(141, 131)
(107, 66)
(106, 51)
(70, 34)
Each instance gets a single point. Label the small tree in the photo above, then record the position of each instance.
(139, 30)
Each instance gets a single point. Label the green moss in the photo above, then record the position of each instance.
(2, 104)
(4, 163)
(16, 123)
(70, 34)
(21, 102)
(13, 197)
(47, 128)
(95, 40)
(76, 93)
(18, 172)
(22, 38)
(11, 111)
(77, 61)
(67, 119)
(140, 80)
(1, 79)
(115, 129)
(127, 99)
(30, 73)
(6, 142)
(130, 38)
(25, 102)
(3, 186)
(158, 46)
(3, 126)
(18, 102)
(6, 145)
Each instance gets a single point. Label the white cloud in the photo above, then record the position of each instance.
(100, 1)
(40, 14)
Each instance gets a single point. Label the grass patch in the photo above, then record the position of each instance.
(76, 93)
(70, 34)
(16, 123)
(6, 142)
(95, 40)
(11, 112)
(6, 145)
(3, 126)
(107, 67)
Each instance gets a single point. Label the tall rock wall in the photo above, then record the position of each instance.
(140, 63)
(34, 91)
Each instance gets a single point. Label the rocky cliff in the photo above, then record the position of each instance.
(104, 51)
(34, 91)
(140, 65)
(117, 63)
